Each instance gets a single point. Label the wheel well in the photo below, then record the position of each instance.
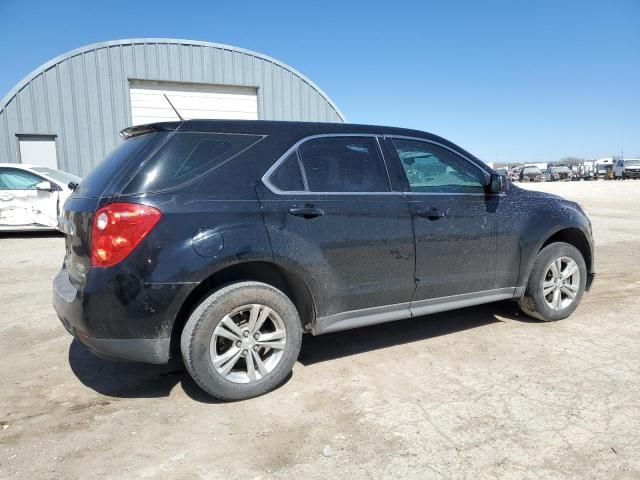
(575, 237)
(269, 273)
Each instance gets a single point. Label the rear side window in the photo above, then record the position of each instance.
(343, 164)
(187, 155)
(288, 176)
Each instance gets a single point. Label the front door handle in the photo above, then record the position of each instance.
(307, 212)
(432, 213)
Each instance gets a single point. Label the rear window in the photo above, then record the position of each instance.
(186, 156)
(95, 184)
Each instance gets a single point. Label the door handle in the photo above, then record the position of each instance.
(307, 212)
(432, 213)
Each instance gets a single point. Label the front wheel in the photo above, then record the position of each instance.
(242, 341)
(556, 283)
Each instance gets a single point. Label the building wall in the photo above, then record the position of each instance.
(82, 97)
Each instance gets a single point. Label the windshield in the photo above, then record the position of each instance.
(57, 175)
(531, 170)
(631, 163)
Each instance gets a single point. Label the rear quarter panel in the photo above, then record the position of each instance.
(152, 283)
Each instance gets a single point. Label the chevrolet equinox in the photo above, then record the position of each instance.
(224, 241)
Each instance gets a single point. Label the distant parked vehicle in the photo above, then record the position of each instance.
(604, 168)
(585, 171)
(626, 168)
(530, 174)
(31, 197)
(560, 173)
(514, 174)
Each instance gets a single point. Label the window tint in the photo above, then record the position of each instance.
(430, 168)
(187, 155)
(288, 177)
(122, 156)
(12, 179)
(343, 164)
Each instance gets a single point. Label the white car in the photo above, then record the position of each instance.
(31, 197)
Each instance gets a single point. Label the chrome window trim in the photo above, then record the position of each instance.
(266, 177)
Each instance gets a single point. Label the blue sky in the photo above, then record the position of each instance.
(507, 80)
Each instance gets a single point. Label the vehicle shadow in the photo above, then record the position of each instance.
(134, 380)
(138, 380)
(25, 235)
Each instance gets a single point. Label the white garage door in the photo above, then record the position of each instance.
(38, 150)
(148, 103)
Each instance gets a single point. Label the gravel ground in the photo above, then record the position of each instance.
(478, 393)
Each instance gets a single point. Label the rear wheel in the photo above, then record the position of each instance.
(556, 283)
(242, 341)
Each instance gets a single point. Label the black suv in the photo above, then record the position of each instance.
(224, 241)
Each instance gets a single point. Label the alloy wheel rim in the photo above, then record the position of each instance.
(248, 343)
(561, 283)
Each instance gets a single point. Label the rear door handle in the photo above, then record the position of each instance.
(306, 212)
(432, 213)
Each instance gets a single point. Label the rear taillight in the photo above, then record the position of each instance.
(117, 229)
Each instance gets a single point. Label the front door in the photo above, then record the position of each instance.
(454, 220)
(331, 217)
(22, 204)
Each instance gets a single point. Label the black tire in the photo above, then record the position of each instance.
(533, 303)
(199, 329)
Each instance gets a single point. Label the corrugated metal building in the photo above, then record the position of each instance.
(67, 113)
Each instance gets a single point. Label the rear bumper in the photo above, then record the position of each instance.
(88, 319)
(147, 350)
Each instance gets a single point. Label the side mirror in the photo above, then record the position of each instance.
(498, 183)
(46, 186)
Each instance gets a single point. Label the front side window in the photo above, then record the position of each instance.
(12, 179)
(431, 168)
(343, 164)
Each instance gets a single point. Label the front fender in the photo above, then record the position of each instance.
(552, 218)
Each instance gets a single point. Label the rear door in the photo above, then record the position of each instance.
(23, 204)
(454, 220)
(332, 217)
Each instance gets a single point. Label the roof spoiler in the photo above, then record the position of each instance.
(130, 132)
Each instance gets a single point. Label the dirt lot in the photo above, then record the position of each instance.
(478, 393)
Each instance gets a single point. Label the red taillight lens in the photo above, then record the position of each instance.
(117, 229)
